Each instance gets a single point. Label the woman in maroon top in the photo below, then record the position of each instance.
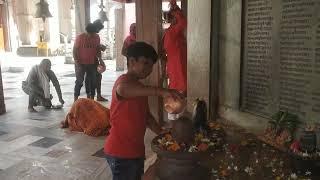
(130, 115)
(129, 39)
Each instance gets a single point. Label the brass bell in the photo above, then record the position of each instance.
(103, 16)
(42, 10)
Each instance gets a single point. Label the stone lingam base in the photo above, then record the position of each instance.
(181, 151)
(244, 157)
(179, 165)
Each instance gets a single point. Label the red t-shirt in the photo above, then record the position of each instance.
(175, 46)
(88, 48)
(128, 125)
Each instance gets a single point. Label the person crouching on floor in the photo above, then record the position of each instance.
(37, 85)
(130, 115)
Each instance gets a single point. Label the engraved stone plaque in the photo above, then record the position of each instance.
(281, 57)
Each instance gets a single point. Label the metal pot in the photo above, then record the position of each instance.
(174, 106)
(180, 165)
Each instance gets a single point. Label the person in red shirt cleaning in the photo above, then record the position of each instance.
(175, 47)
(129, 40)
(129, 114)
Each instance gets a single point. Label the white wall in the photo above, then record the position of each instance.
(230, 65)
(229, 60)
(199, 29)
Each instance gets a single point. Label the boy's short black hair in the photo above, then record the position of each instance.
(142, 49)
(91, 28)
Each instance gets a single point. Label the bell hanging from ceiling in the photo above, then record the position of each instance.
(42, 10)
(102, 14)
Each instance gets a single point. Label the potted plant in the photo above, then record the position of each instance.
(282, 127)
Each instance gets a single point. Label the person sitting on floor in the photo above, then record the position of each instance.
(88, 116)
(37, 85)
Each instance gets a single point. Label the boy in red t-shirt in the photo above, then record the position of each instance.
(130, 115)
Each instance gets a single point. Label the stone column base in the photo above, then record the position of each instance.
(2, 108)
(2, 105)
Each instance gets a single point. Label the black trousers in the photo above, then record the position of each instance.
(87, 71)
(98, 83)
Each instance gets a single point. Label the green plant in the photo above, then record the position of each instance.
(283, 120)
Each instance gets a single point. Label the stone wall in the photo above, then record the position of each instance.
(202, 58)
(230, 65)
(148, 29)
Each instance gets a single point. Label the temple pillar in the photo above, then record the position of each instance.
(2, 105)
(53, 24)
(119, 31)
(80, 17)
(24, 20)
(4, 27)
(149, 24)
(199, 40)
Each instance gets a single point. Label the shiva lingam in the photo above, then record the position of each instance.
(180, 151)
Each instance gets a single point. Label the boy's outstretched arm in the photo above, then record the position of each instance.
(133, 89)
